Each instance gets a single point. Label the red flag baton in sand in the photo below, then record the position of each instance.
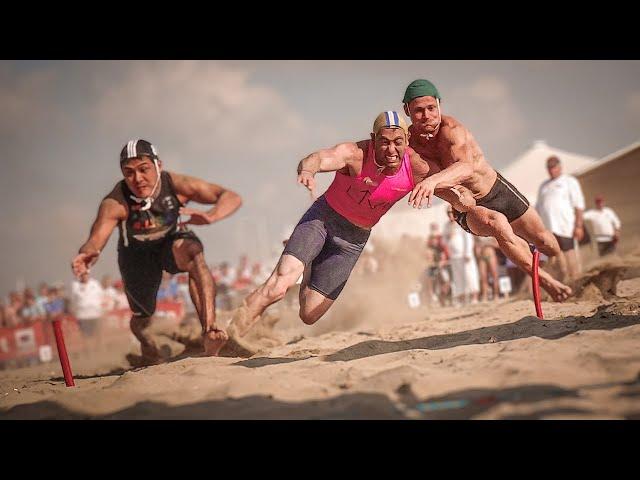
(62, 353)
(535, 281)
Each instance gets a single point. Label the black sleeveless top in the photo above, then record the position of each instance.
(150, 227)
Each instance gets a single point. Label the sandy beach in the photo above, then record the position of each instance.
(373, 358)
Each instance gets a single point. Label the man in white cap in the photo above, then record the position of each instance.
(146, 206)
(370, 177)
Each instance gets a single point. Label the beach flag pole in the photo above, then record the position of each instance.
(535, 281)
(62, 353)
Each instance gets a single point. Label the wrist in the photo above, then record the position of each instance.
(89, 250)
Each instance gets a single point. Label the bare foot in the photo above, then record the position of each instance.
(213, 341)
(559, 291)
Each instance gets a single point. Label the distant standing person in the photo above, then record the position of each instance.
(605, 226)
(438, 280)
(560, 205)
(86, 304)
(485, 248)
(465, 284)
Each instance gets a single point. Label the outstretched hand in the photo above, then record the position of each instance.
(82, 263)
(196, 217)
(307, 179)
(421, 192)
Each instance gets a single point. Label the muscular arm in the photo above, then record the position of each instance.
(110, 213)
(458, 196)
(460, 152)
(577, 200)
(348, 156)
(420, 168)
(332, 159)
(578, 229)
(226, 201)
(579, 218)
(616, 225)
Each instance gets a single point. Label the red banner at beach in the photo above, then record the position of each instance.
(36, 341)
(22, 342)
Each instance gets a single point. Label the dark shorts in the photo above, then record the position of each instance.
(141, 269)
(461, 219)
(566, 243)
(605, 248)
(432, 272)
(503, 197)
(328, 242)
(439, 273)
(88, 326)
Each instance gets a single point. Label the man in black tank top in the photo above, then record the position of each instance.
(146, 206)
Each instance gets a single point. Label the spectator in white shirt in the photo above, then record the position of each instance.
(43, 297)
(560, 205)
(605, 226)
(31, 310)
(86, 303)
(465, 281)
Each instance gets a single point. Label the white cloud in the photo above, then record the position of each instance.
(28, 104)
(489, 89)
(206, 106)
(491, 112)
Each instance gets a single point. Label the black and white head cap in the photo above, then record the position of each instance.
(137, 148)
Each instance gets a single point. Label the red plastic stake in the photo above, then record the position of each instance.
(536, 283)
(62, 353)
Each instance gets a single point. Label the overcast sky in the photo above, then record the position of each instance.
(246, 124)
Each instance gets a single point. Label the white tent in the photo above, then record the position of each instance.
(404, 220)
(529, 170)
(526, 173)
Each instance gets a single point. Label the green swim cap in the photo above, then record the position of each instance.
(420, 88)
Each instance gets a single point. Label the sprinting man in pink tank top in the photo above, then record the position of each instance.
(371, 176)
(364, 198)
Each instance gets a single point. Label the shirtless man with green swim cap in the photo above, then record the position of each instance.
(455, 158)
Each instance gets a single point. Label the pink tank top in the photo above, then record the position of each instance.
(363, 203)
